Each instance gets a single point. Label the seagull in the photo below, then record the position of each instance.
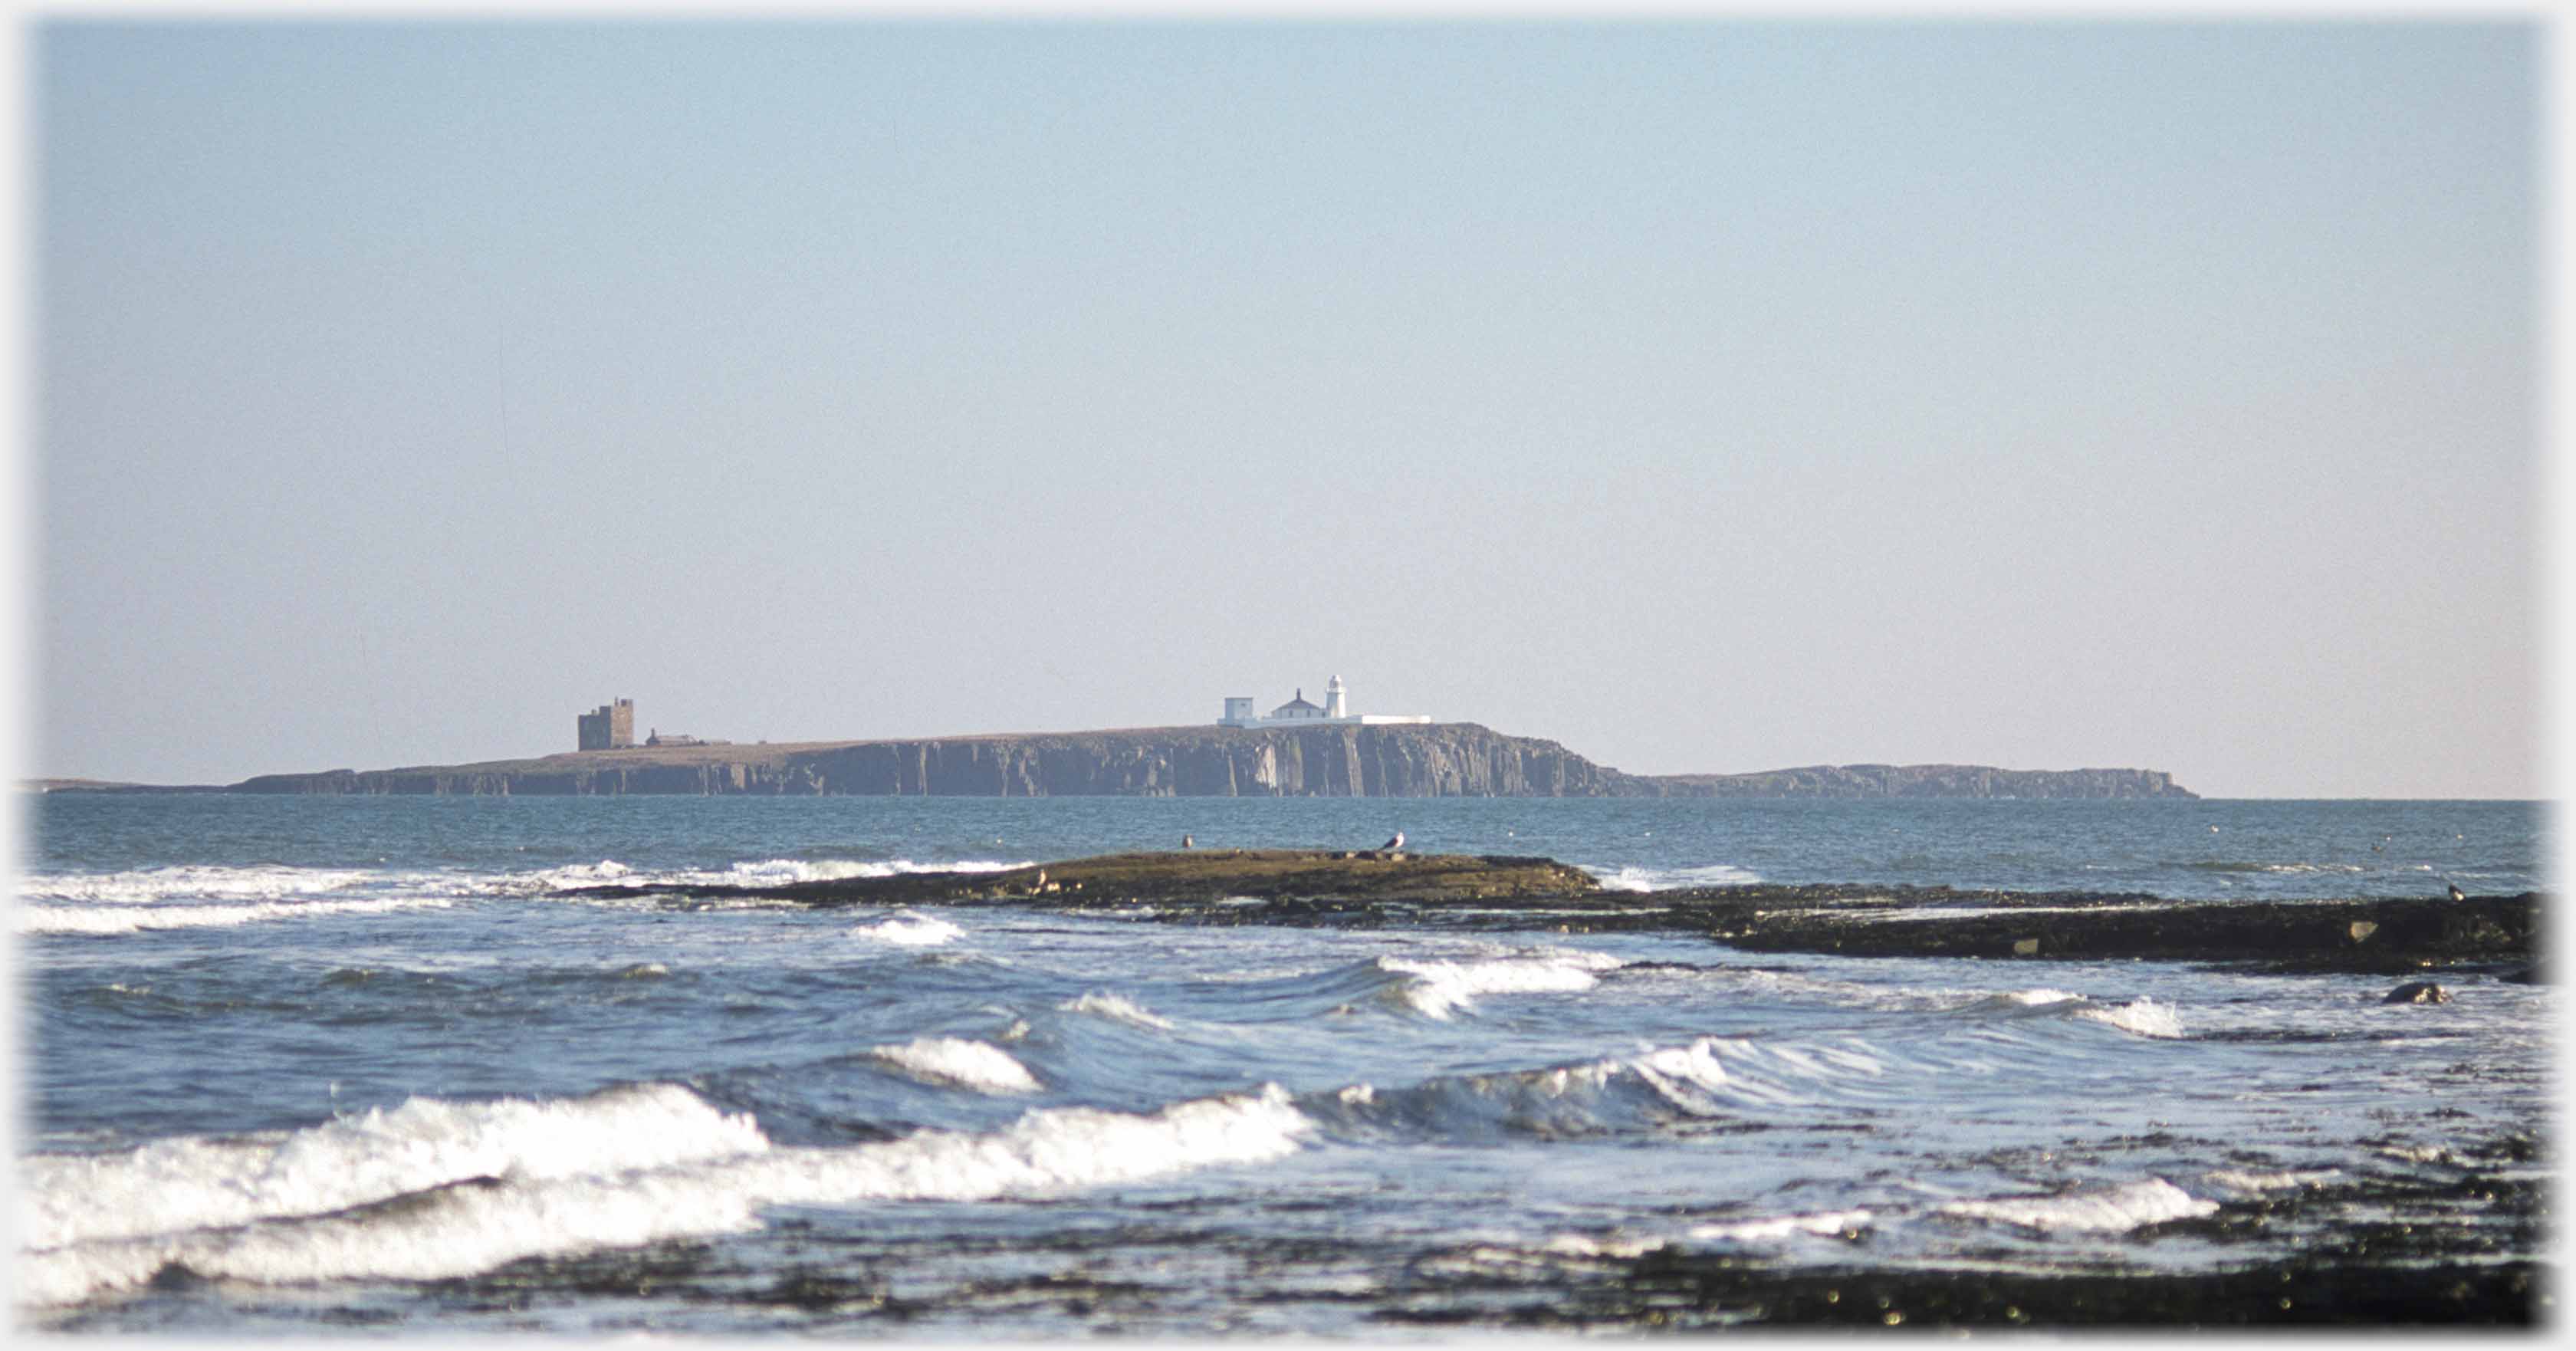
(2456, 893)
(1392, 845)
(1188, 843)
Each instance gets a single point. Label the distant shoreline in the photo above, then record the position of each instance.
(1403, 760)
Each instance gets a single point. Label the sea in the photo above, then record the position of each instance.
(324, 1065)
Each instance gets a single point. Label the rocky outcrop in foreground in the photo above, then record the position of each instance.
(2408, 935)
(1224, 878)
(1458, 759)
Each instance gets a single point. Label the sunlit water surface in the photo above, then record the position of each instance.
(304, 1064)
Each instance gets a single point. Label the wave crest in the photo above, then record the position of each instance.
(911, 929)
(1437, 987)
(126, 919)
(2096, 1209)
(1634, 878)
(978, 1065)
(1118, 1008)
(620, 1168)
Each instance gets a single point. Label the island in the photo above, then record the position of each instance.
(1347, 759)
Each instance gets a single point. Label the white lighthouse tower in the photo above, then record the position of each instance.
(1334, 703)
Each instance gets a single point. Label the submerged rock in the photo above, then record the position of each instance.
(2418, 992)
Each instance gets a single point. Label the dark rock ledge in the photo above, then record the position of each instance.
(1367, 889)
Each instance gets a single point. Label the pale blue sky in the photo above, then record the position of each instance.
(1705, 396)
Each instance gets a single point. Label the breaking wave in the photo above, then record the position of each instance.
(195, 1183)
(769, 872)
(1632, 878)
(978, 1065)
(1709, 1077)
(437, 1189)
(909, 929)
(126, 919)
(1436, 988)
(2094, 1209)
(2142, 1017)
(197, 883)
(1771, 1229)
(211, 896)
(1118, 1008)
(783, 871)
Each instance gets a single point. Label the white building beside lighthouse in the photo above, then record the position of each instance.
(1335, 711)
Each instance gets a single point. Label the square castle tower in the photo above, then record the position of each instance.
(609, 727)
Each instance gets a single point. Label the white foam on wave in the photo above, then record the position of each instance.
(2239, 1180)
(768, 872)
(1773, 1228)
(606, 872)
(1689, 1077)
(1705, 1077)
(1633, 878)
(2143, 1017)
(2099, 1209)
(1765, 1073)
(203, 882)
(783, 871)
(198, 1182)
(1102, 1004)
(456, 1230)
(1587, 1245)
(490, 1216)
(978, 1065)
(125, 919)
(1045, 1149)
(910, 930)
(1435, 987)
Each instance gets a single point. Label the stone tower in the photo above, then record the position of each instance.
(609, 727)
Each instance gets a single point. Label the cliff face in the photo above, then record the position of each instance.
(1458, 759)
(1925, 781)
(1438, 760)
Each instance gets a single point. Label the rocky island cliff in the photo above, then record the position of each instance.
(1459, 759)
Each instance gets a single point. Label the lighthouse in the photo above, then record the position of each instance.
(1336, 710)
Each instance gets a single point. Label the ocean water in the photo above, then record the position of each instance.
(315, 1064)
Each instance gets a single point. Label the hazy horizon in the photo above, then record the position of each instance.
(1707, 396)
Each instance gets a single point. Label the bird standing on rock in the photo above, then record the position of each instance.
(2456, 893)
(1392, 845)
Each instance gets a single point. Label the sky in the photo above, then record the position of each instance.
(1707, 395)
